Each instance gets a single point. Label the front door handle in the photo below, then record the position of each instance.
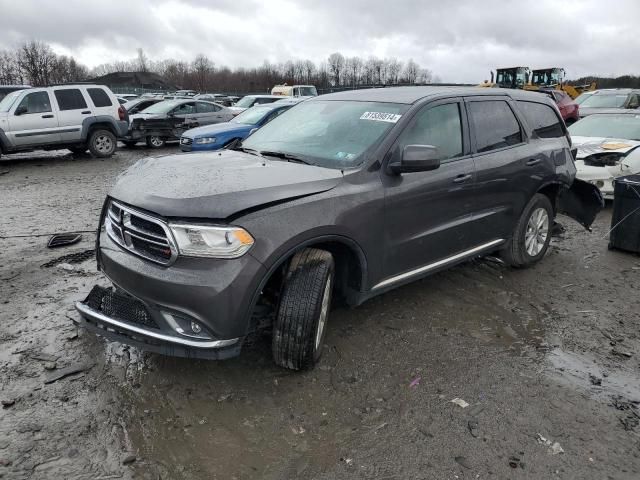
(86, 112)
(47, 116)
(463, 177)
(532, 162)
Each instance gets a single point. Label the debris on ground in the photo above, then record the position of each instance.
(415, 382)
(553, 446)
(65, 372)
(473, 428)
(460, 402)
(463, 462)
(43, 357)
(63, 239)
(8, 403)
(620, 353)
(70, 258)
(129, 459)
(595, 380)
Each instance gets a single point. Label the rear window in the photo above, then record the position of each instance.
(494, 124)
(99, 97)
(542, 118)
(70, 99)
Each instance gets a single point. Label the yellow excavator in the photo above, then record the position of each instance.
(511, 77)
(545, 78)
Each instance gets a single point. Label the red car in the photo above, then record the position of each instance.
(568, 108)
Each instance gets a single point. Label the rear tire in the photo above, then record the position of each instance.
(155, 142)
(300, 325)
(102, 143)
(532, 234)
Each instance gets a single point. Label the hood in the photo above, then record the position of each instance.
(237, 109)
(588, 146)
(216, 185)
(207, 130)
(586, 111)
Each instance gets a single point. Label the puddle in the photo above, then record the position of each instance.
(577, 370)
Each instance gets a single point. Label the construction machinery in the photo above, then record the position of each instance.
(511, 77)
(553, 78)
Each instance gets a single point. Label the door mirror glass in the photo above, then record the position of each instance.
(417, 158)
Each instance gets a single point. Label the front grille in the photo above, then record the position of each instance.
(120, 307)
(139, 233)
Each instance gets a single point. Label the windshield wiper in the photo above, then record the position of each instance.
(286, 156)
(250, 151)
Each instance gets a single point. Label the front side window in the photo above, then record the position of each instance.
(329, 133)
(37, 102)
(70, 99)
(99, 97)
(494, 124)
(438, 126)
(543, 119)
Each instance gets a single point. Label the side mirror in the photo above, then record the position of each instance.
(21, 110)
(417, 158)
(253, 130)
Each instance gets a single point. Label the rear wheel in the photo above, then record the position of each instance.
(155, 141)
(102, 143)
(300, 325)
(532, 234)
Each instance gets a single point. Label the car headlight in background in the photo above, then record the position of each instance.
(205, 140)
(212, 242)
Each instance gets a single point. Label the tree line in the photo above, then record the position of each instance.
(36, 64)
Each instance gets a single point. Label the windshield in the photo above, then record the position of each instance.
(308, 92)
(6, 102)
(246, 102)
(609, 100)
(582, 97)
(252, 115)
(610, 126)
(331, 134)
(161, 107)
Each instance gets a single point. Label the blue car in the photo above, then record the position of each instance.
(215, 137)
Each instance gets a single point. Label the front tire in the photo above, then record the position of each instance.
(102, 143)
(300, 325)
(532, 234)
(155, 142)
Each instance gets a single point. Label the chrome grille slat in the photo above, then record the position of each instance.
(137, 240)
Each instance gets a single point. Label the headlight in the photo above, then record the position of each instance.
(205, 140)
(213, 242)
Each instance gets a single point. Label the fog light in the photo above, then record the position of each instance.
(195, 328)
(599, 184)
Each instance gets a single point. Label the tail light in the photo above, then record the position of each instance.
(122, 113)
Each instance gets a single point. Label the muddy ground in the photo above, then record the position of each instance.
(547, 359)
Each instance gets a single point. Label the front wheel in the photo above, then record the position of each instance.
(102, 143)
(532, 234)
(300, 325)
(155, 142)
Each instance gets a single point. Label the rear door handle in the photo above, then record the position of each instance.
(532, 162)
(463, 177)
(47, 116)
(86, 112)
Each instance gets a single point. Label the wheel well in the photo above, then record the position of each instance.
(349, 274)
(551, 191)
(104, 125)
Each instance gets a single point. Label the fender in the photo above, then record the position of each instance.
(283, 257)
(87, 123)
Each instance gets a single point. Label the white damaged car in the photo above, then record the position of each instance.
(608, 147)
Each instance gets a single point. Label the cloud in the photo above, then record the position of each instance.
(459, 41)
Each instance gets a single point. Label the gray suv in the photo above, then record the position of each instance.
(77, 117)
(343, 196)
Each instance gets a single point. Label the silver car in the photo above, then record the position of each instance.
(167, 120)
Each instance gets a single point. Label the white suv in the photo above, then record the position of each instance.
(77, 117)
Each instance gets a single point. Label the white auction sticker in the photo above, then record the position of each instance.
(381, 117)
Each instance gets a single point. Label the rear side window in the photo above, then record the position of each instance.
(439, 126)
(543, 119)
(70, 99)
(207, 107)
(37, 102)
(99, 97)
(494, 124)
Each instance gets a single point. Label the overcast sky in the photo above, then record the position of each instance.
(459, 40)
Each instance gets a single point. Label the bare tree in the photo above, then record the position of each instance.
(393, 70)
(36, 60)
(202, 69)
(336, 65)
(425, 75)
(411, 71)
(9, 70)
(353, 67)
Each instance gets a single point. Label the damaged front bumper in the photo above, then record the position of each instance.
(582, 202)
(120, 317)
